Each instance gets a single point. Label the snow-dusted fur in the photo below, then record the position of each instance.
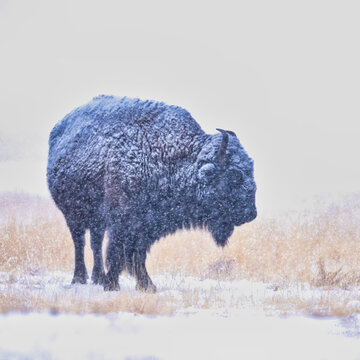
(142, 170)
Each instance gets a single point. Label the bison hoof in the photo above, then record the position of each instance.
(111, 285)
(98, 279)
(79, 279)
(151, 288)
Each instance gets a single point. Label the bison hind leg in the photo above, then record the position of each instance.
(78, 236)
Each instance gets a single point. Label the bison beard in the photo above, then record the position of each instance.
(142, 170)
(221, 231)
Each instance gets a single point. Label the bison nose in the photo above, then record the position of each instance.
(251, 214)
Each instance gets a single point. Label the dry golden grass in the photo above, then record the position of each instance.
(34, 235)
(328, 303)
(71, 302)
(322, 250)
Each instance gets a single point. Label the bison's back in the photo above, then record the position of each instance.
(138, 138)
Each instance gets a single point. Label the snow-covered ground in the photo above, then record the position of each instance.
(203, 335)
(212, 320)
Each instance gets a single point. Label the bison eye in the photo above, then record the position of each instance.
(207, 173)
(236, 178)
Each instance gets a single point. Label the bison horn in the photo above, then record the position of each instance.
(220, 157)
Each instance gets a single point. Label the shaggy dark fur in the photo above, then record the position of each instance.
(142, 170)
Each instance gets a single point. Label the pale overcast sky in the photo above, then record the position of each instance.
(284, 75)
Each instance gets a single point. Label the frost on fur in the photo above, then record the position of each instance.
(142, 170)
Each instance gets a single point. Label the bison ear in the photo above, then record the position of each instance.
(207, 173)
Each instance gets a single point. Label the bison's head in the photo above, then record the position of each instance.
(226, 185)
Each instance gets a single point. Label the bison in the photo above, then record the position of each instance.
(142, 170)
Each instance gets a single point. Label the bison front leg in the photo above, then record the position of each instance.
(111, 280)
(96, 239)
(144, 282)
(115, 265)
